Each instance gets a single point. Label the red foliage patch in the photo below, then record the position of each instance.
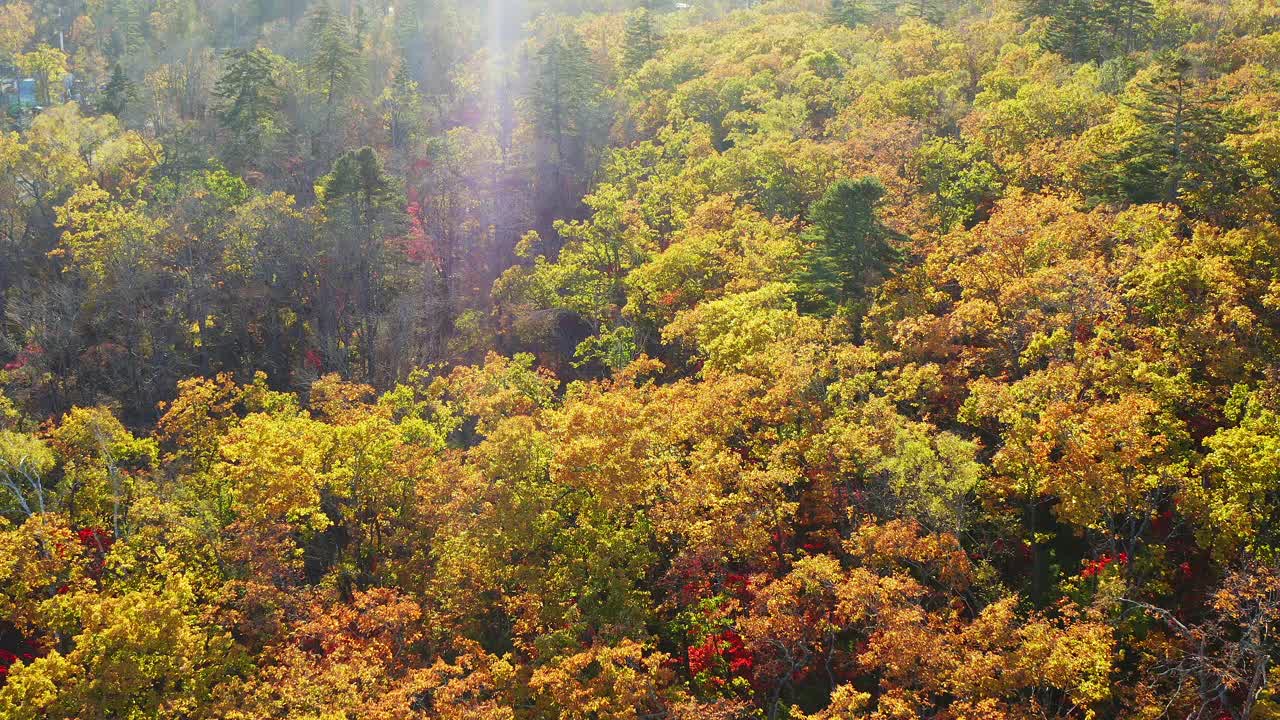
(722, 652)
(1095, 567)
(96, 543)
(26, 355)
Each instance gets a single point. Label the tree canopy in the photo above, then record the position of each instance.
(607, 360)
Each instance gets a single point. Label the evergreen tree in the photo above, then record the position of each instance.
(248, 97)
(930, 11)
(402, 105)
(1127, 24)
(358, 180)
(1073, 30)
(118, 93)
(1179, 145)
(1084, 30)
(641, 41)
(565, 89)
(568, 114)
(129, 36)
(850, 249)
(849, 13)
(364, 207)
(333, 63)
(360, 29)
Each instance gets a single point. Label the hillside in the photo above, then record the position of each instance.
(603, 360)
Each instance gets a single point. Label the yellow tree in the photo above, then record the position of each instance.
(48, 65)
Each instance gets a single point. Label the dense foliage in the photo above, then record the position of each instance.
(570, 359)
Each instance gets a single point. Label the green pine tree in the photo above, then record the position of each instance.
(248, 99)
(1087, 30)
(358, 180)
(364, 208)
(930, 11)
(402, 105)
(118, 93)
(850, 249)
(129, 35)
(849, 13)
(333, 61)
(641, 40)
(1181, 134)
(568, 113)
(1126, 24)
(1074, 31)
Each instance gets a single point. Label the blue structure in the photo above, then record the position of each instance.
(27, 92)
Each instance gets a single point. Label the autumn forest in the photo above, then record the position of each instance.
(640, 360)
